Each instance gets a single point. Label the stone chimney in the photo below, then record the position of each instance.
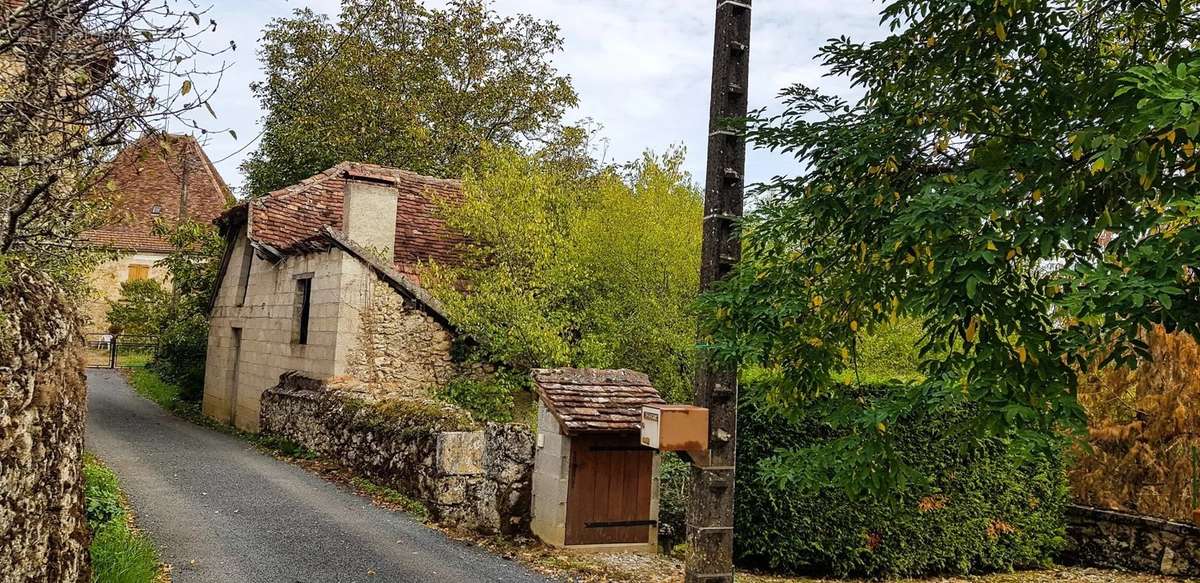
(369, 215)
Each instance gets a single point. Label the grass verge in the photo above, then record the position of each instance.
(120, 553)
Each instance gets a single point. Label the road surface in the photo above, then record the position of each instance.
(222, 512)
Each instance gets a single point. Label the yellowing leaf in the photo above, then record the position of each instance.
(854, 325)
(972, 330)
(187, 88)
(1189, 149)
(1011, 253)
(1097, 166)
(1001, 33)
(1037, 195)
(881, 427)
(817, 301)
(991, 246)
(1021, 354)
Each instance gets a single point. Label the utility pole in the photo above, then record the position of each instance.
(710, 509)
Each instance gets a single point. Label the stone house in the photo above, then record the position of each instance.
(320, 279)
(158, 177)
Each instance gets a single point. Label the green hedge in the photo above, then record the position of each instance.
(985, 509)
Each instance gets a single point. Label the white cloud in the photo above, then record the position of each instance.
(642, 67)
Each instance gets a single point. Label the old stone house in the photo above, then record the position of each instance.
(158, 177)
(320, 279)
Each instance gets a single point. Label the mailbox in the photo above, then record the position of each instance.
(675, 427)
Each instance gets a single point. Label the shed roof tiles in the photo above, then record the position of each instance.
(589, 400)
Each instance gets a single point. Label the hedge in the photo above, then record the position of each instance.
(987, 509)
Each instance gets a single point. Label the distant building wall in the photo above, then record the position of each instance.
(106, 280)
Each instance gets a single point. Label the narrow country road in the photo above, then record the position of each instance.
(222, 512)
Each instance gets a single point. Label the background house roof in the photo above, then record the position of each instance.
(292, 219)
(589, 400)
(147, 180)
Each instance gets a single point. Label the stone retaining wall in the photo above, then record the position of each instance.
(1106, 538)
(43, 533)
(477, 479)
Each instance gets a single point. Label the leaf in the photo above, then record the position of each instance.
(972, 330)
(1001, 33)
(208, 106)
(233, 133)
(187, 88)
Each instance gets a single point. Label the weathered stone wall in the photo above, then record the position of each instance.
(477, 479)
(1105, 538)
(43, 536)
(399, 350)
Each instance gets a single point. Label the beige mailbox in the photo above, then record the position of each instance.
(675, 427)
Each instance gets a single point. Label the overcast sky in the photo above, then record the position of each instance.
(641, 67)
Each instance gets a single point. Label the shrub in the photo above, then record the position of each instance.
(488, 399)
(1142, 432)
(983, 508)
(182, 349)
(674, 487)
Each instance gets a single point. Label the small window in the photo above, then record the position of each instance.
(244, 276)
(137, 272)
(303, 308)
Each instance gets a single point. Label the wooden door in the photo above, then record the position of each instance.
(608, 495)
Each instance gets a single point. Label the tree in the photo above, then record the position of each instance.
(192, 266)
(77, 80)
(563, 270)
(399, 84)
(1019, 175)
(141, 308)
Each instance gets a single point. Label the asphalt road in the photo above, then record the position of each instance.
(222, 512)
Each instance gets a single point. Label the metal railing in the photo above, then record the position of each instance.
(118, 350)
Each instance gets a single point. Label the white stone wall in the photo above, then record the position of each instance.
(359, 327)
(551, 469)
(268, 321)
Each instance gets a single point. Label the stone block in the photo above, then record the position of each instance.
(460, 453)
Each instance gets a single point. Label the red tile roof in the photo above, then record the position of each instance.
(589, 400)
(292, 219)
(150, 175)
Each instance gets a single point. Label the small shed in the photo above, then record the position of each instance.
(595, 486)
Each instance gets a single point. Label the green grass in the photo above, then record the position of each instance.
(390, 496)
(119, 553)
(167, 395)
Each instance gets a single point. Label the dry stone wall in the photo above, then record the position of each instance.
(476, 479)
(43, 536)
(1118, 540)
(399, 346)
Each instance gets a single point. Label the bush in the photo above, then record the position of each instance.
(674, 488)
(182, 349)
(983, 509)
(488, 399)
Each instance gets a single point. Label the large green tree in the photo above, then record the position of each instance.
(1020, 174)
(566, 268)
(396, 83)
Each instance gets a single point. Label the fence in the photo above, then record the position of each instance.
(118, 350)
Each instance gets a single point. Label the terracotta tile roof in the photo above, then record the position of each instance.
(150, 175)
(589, 400)
(290, 220)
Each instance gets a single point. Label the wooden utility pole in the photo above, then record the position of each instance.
(710, 509)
